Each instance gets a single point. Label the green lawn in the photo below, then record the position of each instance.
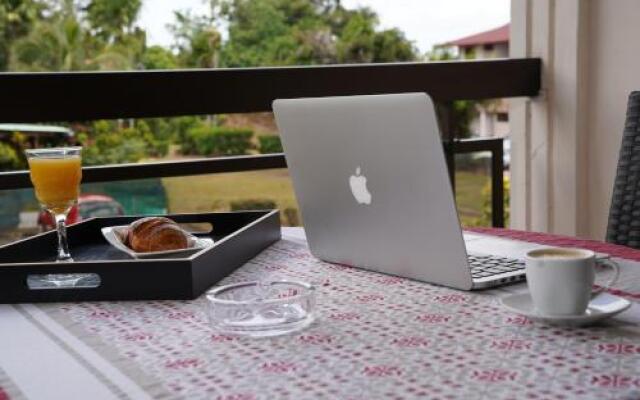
(215, 192)
(469, 187)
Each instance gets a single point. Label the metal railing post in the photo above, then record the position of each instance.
(497, 185)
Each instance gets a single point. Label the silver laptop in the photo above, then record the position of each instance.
(371, 180)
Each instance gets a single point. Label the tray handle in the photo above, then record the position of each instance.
(63, 281)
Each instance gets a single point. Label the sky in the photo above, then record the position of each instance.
(425, 22)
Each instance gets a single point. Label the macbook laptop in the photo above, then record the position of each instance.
(371, 181)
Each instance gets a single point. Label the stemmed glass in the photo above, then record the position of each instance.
(56, 174)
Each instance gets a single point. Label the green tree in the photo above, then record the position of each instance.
(391, 45)
(286, 32)
(127, 53)
(356, 44)
(197, 40)
(17, 17)
(99, 36)
(157, 57)
(55, 45)
(112, 20)
(118, 44)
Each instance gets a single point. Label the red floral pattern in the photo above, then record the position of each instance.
(512, 344)
(382, 370)
(375, 337)
(519, 320)
(187, 363)
(241, 396)
(410, 342)
(451, 298)
(433, 318)
(279, 367)
(494, 375)
(615, 381)
(619, 348)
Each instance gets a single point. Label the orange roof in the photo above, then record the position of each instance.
(497, 35)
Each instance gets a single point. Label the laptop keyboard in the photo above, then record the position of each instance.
(483, 266)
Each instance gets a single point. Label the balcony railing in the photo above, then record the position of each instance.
(81, 96)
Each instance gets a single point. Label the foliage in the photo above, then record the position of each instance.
(43, 35)
(107, 143)
(127, 53)
(68, 35)
(391, 45)
(252, 204)
(284, 32)
(217, 141)
(180, 126)
(112, 20)
(485, 219)
(357, 41)
(270, 144)
(17, 18)
(197, 40)
(9, 159)
(157, 57)
(56, 45)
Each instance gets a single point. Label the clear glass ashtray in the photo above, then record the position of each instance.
(261, 309)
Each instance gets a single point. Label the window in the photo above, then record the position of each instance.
(488, 47)
(503, 117)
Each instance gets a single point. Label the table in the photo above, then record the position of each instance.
(377, 336)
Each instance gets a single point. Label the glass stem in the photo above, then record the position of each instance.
(63, 246)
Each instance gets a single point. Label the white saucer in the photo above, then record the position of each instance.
(602, 306)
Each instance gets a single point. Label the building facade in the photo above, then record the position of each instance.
(493, 116)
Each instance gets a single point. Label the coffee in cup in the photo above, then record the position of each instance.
(561, 280)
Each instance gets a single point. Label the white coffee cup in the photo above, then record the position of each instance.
(561, 280)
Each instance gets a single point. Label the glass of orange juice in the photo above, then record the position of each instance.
(56, 174)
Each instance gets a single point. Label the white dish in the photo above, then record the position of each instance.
(600, 307)
(115, 236)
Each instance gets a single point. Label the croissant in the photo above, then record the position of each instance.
(156, 234)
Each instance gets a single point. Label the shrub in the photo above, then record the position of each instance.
(113, 148)
(106, 143)
(270, 144)
(252, 204)
(217, 141)
(9, 159)
(485, 219)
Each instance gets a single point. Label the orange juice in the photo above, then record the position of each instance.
(56, 181)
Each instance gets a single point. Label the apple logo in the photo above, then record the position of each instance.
(359, 189)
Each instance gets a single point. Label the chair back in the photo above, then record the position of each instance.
(624, 216)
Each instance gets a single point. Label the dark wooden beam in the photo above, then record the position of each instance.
(79, 96)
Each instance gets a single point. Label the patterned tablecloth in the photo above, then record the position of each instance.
(376, 337)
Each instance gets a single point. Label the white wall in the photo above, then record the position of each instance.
(498, 50)
(565, 142)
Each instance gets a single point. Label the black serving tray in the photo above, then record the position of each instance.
(238, 236)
